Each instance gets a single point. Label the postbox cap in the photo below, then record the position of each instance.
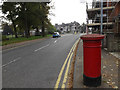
(92, 37)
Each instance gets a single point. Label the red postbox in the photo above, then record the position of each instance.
(92, 59)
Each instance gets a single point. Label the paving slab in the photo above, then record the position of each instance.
(109, 70)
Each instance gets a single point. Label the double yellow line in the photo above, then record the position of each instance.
(68, 59)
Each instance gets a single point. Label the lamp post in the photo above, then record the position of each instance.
(101, 29)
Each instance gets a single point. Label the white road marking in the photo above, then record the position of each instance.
(66, 35)
(55, 41)
(11, 61)
(41, 48)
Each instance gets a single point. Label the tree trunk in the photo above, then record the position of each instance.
(16, 36)
(43, 29)
(27, 30)
(27, 33)
(37, 33)
(14, 26)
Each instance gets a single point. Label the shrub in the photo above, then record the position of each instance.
(0, 37)
(4, 38)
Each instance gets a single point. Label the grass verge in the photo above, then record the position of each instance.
(20, 39)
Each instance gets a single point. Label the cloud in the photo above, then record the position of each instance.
(68, 11)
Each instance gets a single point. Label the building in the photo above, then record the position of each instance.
(68, 27)
(111, 22)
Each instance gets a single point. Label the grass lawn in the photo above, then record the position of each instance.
(20, 39)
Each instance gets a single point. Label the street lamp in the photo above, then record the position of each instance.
(101, 17)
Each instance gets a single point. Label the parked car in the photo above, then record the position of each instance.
(56, 34)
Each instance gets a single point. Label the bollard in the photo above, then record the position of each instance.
(92, 59)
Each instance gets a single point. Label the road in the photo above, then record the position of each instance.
(36, 65)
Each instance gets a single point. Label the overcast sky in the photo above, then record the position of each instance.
(67, 11)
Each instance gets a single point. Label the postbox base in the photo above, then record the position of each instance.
(91, 82)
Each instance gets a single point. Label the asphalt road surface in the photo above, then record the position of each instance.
(36, 65)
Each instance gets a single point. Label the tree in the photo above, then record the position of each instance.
(27, 15)
(45, 11)
(7, 30)
(50, 28)
(10, 10)
(24, 19)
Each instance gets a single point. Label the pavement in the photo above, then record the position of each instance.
(37, 64)
(109, 69)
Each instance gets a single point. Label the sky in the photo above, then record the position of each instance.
(67, 11)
